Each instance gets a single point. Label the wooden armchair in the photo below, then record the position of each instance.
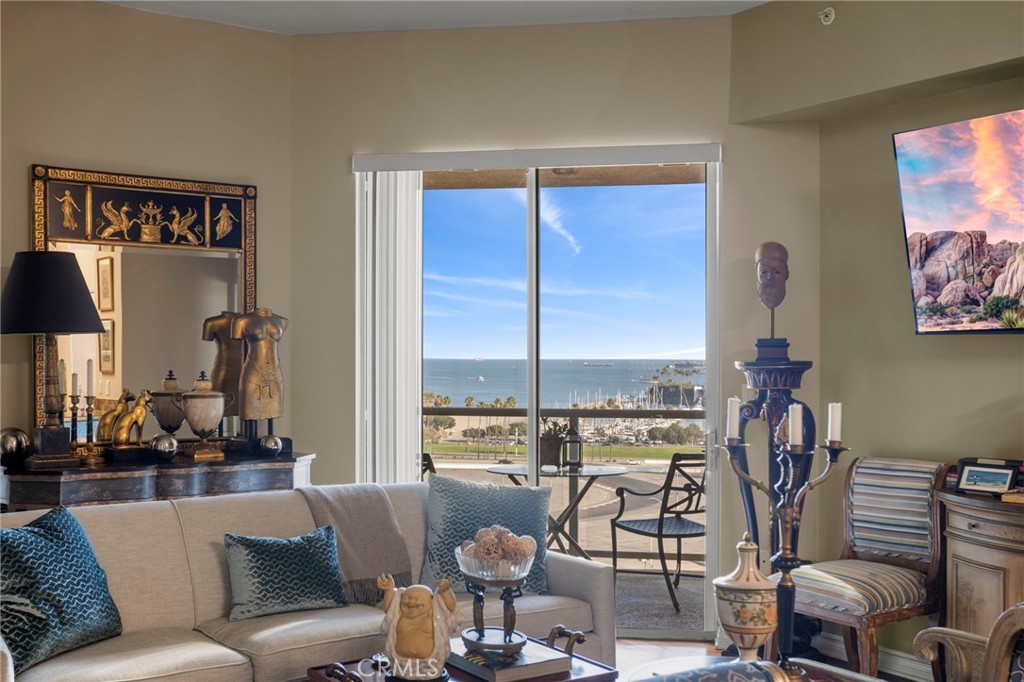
(1001, 653)
(891, 567)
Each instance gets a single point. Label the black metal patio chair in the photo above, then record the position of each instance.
(682, 495)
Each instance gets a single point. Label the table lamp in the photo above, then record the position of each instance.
(46, 294)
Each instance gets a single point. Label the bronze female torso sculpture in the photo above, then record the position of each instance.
(261, 381)
(227, 364)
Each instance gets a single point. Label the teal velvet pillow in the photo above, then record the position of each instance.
(456, 509)
(53, 593)
(273, 575)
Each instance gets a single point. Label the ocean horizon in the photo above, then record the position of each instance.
(562, 382)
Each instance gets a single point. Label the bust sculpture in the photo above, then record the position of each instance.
(261, 382)
(772, 263)
(418, 624)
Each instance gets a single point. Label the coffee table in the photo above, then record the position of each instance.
(583, 670)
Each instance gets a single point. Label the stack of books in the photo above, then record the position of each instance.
(533, 661)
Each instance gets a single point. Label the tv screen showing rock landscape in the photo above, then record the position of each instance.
(962, 188)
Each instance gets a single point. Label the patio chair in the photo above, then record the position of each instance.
(426, 464)
(682, 495)
(1001, 653)
(891, 566)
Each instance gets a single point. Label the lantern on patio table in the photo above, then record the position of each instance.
(572, 449)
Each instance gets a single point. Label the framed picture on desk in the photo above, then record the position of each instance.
(986, 478)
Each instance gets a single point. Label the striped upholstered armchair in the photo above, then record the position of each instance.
(891, 567)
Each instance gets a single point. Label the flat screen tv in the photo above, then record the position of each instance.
(962, 190)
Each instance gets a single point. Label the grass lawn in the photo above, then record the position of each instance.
(591, 453)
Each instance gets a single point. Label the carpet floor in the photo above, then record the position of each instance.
(643, 607)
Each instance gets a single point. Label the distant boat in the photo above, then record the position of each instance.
(478, 359)
(477, 378)
(598, 364)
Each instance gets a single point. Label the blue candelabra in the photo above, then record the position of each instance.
(790, 456)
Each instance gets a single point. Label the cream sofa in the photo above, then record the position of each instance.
(167, 571)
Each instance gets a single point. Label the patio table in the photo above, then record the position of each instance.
(557, 531)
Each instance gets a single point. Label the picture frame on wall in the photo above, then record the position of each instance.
(105, 284)
(986, 478)
(105, 347)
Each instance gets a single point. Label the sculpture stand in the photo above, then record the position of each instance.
(506, 640)
(774, 376)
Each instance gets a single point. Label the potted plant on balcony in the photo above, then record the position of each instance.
(551, 436)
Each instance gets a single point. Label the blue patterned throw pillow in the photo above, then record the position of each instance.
(53, 593)
(457, 509)
(273, 575)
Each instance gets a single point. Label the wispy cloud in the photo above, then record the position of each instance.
(546, 288)
(490, 302)
(553, 215)
(696, 352)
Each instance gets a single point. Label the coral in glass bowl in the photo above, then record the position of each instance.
(493, 569)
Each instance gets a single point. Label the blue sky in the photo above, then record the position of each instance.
(622, 272)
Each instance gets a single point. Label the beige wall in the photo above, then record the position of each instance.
(926, 397)
(788, 65)
(90, 85)
(600, 84)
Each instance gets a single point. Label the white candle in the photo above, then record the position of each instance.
(88, 378)
(835, 422)
(796, 424)
(62, 378)
(74, 383)
(732, 424)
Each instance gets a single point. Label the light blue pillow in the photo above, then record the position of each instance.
(457, 509)
(53, 593)
(273, 575)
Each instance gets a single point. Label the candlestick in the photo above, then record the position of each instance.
(62, 378)
(74, 411)
(835, 422)
(74, 383)
(89, 400)
(732, 425)
(88, 378)
(796, 424)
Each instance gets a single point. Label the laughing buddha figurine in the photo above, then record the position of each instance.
(417, 626)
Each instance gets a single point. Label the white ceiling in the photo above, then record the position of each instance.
(304, 17)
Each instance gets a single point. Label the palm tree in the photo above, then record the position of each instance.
(469, 403)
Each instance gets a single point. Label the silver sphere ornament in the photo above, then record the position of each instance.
(271, 445)
(164, 445)
(13, 441)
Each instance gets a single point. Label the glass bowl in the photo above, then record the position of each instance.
(502, 569)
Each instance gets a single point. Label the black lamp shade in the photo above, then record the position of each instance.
(45, 293)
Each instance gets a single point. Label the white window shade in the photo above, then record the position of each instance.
(390, 262)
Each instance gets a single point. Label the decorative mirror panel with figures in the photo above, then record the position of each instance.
(163, 255)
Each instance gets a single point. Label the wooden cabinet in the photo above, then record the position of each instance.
(113, 482)
(984, 560)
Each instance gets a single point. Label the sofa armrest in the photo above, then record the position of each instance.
(6, 663)
(594, 583)
(832, 672)
(960, 648)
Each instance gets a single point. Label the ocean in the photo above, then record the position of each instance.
(562, 382)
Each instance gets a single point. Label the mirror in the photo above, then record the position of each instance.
(153, 303)
(160, 256)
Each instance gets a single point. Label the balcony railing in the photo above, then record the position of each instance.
(596, 513)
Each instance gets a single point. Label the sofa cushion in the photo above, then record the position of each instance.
(456, 509)
(274, 575)
(54, 592)
(283, 645)
(205, 520)
(139, 545)
(156, 655)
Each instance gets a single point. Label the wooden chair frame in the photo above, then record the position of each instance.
(958, 647)
(859, 632)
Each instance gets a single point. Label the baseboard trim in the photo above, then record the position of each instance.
(889, 660)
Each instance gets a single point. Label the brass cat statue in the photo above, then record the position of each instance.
(132, 420)
(105, 428)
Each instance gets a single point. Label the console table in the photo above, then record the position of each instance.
(984, 559)
(113, 482)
